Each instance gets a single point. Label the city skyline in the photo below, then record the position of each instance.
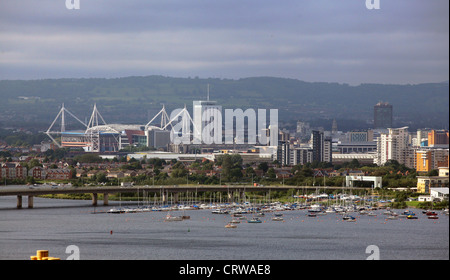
(319, 41)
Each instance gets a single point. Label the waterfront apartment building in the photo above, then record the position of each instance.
(283, 152)
(317, 139)
(321, 147)
(427, 159)
(382, 115)
(394, 145)
(437, 138)
(425, 183)
(319, 150)
(12, 171)
(300, 156)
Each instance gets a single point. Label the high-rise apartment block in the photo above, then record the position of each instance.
(319, 150)
(437, 137)
(300, 156)
(283, 152)
(382, 115)
(394, 146)
(427, 159)
(321, 147)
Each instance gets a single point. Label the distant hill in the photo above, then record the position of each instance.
(35, 103)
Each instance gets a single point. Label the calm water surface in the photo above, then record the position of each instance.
(55, 224)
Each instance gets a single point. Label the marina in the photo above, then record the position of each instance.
(146, 234)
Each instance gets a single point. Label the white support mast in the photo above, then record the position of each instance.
(164, 118)
(186, 122)
(92, 130)
(61, 113)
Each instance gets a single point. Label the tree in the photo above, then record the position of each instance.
(236, 173)
(226, 166)
(231, 167)
(101, 177)
(263, 166)
(178, 172)
(249, 172)
(271, 173)
(88, 158)
(306, 172)
(354, 164)
(33, 163)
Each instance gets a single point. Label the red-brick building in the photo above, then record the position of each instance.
(11, 170)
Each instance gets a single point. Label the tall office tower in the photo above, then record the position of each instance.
(204, 113)
(394, 146)
(382, 115)
(334, 127)
(303, 129)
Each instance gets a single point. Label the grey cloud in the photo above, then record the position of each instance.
(318, 40)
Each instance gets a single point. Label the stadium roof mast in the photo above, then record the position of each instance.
(164, 118)
(93, 129)
(61, 113)
(186, 122)
(93, 122)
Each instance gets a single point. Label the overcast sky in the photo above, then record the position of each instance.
(405, 41)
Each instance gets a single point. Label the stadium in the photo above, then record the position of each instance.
(99, 136)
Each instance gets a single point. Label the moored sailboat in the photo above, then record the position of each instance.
(229, 225)
(254, 220)
(170, 218)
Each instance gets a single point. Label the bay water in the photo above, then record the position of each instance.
(56, 224)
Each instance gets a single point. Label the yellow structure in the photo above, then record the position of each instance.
(423, 161)
(426, 160)
(42, 255)
(425, 183)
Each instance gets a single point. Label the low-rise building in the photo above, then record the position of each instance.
(12, 171)
(425, 183)
(115, 174)
(439, 193)
(58, 174)
(37, 172)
